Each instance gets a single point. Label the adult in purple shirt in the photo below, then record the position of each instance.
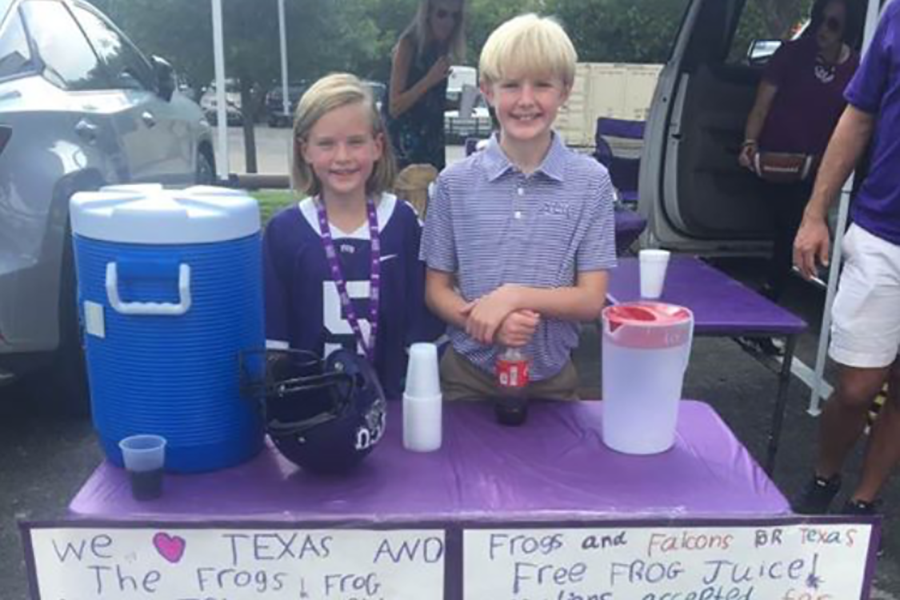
(866, 314)
(798, 103)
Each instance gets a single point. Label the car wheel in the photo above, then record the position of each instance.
(206, 170)
(66, 387)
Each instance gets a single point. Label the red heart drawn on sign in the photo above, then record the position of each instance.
(170, 547)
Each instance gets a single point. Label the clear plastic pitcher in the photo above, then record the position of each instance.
(646, 348)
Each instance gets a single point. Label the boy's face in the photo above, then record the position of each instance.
(526, 105)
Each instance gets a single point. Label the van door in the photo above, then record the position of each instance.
(692, 189)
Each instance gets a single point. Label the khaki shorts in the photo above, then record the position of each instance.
(461, 380)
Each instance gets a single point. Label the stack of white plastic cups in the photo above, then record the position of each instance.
(422, 400)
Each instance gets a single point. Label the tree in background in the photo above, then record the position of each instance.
(181, 31)
(642, 31)
(358, 35)
(486, 15)
(637, 31)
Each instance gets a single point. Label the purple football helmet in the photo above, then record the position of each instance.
(324, 416)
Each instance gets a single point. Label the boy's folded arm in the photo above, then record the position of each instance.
(582, 302)
(443, 299)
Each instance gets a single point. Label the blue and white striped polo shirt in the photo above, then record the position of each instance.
(490, 224)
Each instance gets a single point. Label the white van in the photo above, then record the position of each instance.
(691, 189)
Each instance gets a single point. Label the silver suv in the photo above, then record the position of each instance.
(80, 107)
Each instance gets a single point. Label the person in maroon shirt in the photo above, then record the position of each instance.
(798, 103)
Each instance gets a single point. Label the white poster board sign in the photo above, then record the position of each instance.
(811, 561)
(73, 563)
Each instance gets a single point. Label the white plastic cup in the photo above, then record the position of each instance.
(423, 379)
(422, 400)
(653, 264)
(144, 457)
(422, 423)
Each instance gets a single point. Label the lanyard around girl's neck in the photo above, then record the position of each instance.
(341, 283)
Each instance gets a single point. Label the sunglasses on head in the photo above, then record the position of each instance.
(443, 13)
(833, 24)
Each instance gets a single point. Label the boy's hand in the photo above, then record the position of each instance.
(518, 328)
(487, 314)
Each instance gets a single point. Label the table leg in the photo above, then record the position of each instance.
(784, 380)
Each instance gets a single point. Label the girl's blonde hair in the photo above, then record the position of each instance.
(327, 94)
(528, 45)
(419, 31)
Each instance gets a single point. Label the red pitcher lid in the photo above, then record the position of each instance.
(648, 324)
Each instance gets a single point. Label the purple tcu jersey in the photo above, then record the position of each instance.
(303, 308)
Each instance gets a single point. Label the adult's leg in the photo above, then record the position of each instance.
(883, 451)
(865, 335)
(844, 417)
(787, 202)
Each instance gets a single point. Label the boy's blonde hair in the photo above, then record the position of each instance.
(528, 44)
(327, 94)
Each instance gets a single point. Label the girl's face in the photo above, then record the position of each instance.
(830, 32)
(342, 149)
(443, 18)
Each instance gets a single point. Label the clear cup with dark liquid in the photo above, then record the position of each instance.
(144, 456)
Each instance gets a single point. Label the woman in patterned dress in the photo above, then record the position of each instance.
(418, 87)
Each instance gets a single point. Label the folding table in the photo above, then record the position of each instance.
(722, 307)
(553, 468)
(550, 479)
(553, 473)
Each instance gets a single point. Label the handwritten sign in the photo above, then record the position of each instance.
(811, 561)
(237, 564)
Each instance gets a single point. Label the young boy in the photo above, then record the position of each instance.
(519, 236)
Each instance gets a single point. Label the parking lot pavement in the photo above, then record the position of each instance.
(273, 148)
(44, 459)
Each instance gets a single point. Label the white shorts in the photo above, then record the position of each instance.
(865, 327)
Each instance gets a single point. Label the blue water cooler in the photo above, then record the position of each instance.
(170, 297)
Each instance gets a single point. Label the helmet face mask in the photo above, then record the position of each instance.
(324, 416)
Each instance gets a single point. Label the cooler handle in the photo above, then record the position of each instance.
(167, 309)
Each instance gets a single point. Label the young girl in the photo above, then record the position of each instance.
(341, 266)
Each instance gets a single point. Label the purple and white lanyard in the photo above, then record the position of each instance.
(338, 276)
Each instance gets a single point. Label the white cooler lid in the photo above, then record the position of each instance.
(149, 214)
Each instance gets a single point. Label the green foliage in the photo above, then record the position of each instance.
(271, 201)
(358, 35)
(637, 31)
(485, 15)
(767, 19)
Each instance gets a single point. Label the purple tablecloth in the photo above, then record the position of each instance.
(721, 305)
(629, 226)
(553, 468)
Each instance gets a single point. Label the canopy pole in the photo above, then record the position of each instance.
(222, 163)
